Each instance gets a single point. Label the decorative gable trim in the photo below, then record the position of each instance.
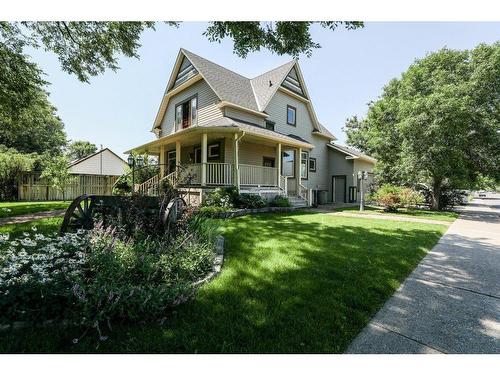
(292, 83)
(186, 71)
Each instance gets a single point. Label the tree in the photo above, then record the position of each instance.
(439, 124)
(281, 37)
(80, 149)
(12, 165)
(56, 172)
(33, 127)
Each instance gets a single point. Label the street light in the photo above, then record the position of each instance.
(131, 164)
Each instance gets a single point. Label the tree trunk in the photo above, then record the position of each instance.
(436, 196)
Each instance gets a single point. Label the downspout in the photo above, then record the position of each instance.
(237, 164)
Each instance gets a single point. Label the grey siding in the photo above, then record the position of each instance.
(207, 106)
(338, 165)
(277, 113)
(245, 116)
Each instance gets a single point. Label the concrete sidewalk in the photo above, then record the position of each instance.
(451, 302)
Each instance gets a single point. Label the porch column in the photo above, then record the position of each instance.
(161, 161)
(236, 162)
(177, 155)
(278, 164)
(297, 170)
(204, 139)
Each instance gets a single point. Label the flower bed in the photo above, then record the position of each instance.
(95, 278)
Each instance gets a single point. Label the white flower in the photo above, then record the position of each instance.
(34, 228)
(26, 234)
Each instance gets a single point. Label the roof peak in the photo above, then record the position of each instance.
(210, 61)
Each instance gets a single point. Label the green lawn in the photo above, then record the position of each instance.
(45, 226)
(291, 283)
(421, 213)
(22, 208)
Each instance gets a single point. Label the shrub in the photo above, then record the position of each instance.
(387, 196)
(221, 197)
(12, 165)
(280, 201)
(212, 211)
(410, 198)
(249, 201)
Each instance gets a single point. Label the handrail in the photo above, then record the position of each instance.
(306, 194)
(283, 186)
(149, 187)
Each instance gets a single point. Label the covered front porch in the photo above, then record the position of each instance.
(209, 158)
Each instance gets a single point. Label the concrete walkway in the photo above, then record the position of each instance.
(451, 302)
(19, 219)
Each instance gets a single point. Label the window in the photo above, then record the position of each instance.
(268, 162)
(288, 163)
(304, 165)
(214, 151)
(291, 115)
(312, 164)
(270, 125)
(186, 113)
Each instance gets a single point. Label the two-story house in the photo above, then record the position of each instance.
(261, 134)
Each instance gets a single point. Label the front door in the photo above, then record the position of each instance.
(171, 162)
(339, 189)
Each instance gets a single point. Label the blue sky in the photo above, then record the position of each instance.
(118, 109)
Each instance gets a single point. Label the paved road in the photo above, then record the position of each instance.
(451, 302)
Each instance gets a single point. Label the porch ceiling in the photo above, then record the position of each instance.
(252, 133)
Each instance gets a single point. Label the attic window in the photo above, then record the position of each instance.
(292, 83)
(186, 71)
(186, 113)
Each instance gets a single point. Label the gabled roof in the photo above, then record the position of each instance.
(230, 87)
(78, 161)
(265, 85)
(352, 153)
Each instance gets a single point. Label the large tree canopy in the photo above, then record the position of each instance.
(80, 149)
(438, 124)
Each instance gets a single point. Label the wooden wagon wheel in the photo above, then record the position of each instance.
(173, 212)
(79, 214)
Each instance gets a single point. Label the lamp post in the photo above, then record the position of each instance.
(131, 164)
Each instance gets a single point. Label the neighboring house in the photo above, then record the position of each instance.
(103, 162)
(93, 174)
(261, 134)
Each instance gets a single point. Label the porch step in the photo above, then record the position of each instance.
(297, 201)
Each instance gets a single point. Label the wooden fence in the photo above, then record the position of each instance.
(32, 188)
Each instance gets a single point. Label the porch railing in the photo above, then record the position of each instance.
(255, 175)
(219, 174)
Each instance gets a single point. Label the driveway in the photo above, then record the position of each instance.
(451, 302)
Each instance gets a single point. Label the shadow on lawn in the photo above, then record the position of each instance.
(290, 283)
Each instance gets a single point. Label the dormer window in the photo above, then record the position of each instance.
(291, 115)
(186, 113)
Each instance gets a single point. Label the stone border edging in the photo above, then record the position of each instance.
(248, 211)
